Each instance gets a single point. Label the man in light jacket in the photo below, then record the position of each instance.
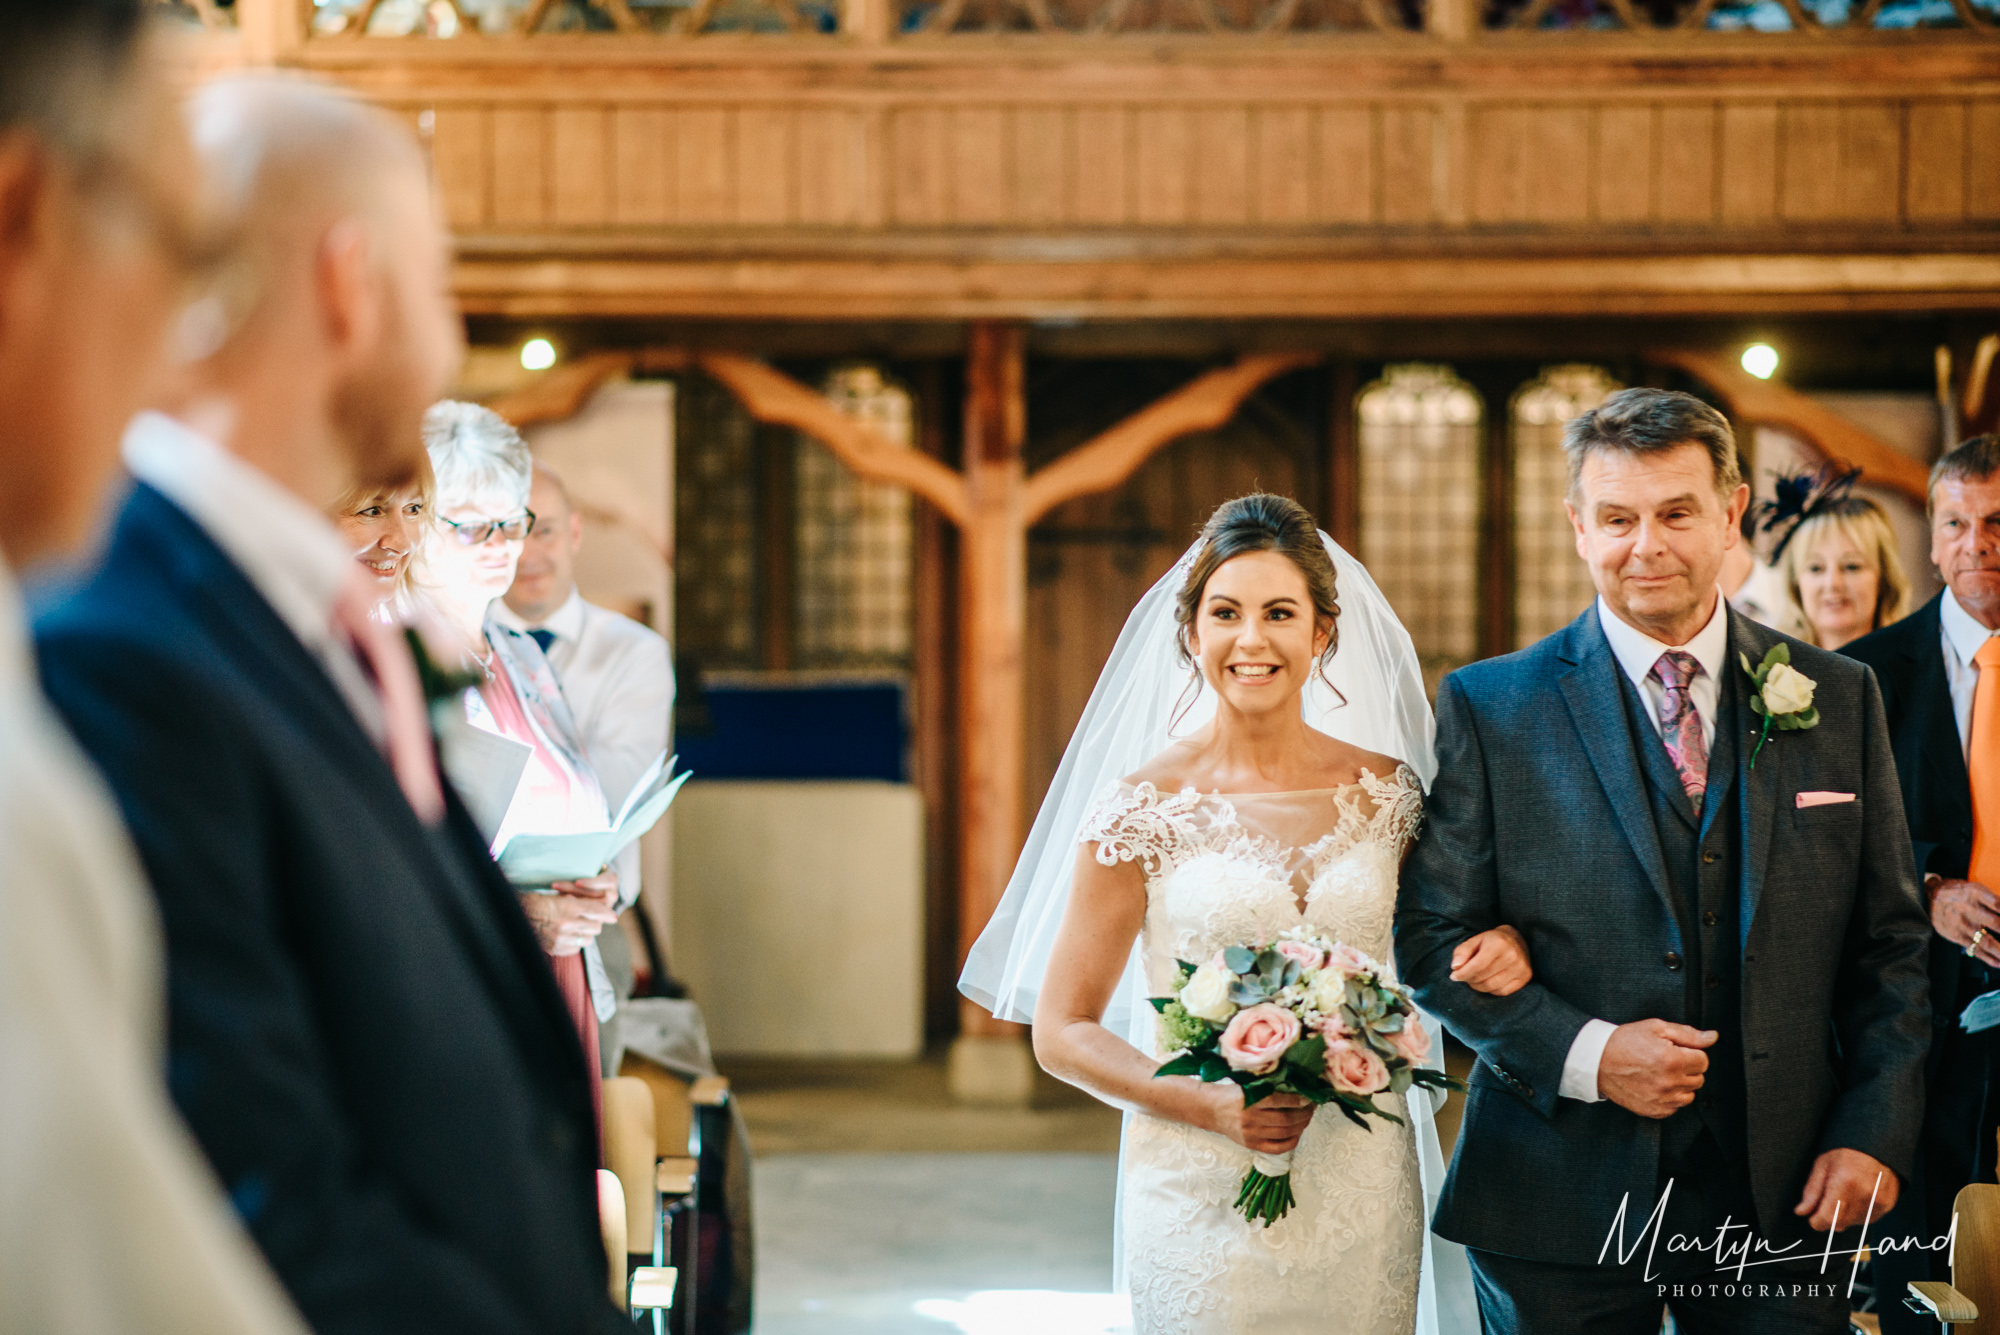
(109, 1218)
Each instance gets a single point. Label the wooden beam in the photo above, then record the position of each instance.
(562, 391)
(1204, 403)
(525, 282)
(993, 566)
(1764, 403)
(770, 395)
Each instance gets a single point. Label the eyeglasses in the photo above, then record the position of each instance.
(478, 535)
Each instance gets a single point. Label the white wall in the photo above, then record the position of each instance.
(799, 912)
(616, 456)
(1908, 421)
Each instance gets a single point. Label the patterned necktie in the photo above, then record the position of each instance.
(545, 638)
(385, 658)
(1982, 764)
(1680, 725)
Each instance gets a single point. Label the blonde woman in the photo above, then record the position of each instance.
(385, 530)
(1842, 573)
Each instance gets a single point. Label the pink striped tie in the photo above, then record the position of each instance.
(1680, 725)
(385, 658)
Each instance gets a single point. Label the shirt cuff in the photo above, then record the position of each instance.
(1586, 1051)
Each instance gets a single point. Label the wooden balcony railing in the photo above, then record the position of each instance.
(906, 20)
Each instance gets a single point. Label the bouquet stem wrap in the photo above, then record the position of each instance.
(1266, 1196)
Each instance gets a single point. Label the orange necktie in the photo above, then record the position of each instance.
(1982, 763)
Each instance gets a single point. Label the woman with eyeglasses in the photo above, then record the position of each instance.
(483, 473)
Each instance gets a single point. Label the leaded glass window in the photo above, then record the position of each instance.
(716, 549)
(1419, 439)
(854, 539)
(1551, 583)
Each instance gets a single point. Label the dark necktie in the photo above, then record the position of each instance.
(545, 638)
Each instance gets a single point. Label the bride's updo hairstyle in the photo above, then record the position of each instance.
(1262, 523)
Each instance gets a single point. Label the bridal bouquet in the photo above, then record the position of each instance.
(1298, 1015)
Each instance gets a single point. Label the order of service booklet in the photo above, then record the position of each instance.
(536, 861)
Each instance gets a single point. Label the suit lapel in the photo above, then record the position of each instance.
(1762, 785)
(1724, 752)
(1940, 750)
(244, 627)
(1592, 690)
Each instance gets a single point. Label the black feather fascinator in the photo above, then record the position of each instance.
(1800, 496)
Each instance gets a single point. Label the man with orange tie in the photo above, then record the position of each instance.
(1942, 696)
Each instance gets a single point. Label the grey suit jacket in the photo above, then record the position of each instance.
(1539, 818)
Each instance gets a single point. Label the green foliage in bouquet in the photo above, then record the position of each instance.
(1338, 1001)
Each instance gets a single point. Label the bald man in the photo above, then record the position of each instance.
(109, 1219)
(364, 1035)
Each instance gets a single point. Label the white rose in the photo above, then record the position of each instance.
(1328, 991)
(1787, 690)
(1206, 995)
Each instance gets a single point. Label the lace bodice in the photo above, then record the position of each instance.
(1226, 870)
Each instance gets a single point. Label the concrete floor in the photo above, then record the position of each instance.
(935, 1244)
(883, 1208)
(874, 1107)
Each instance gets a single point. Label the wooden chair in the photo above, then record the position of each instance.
(631, 1199)
(682, 1138)
(1970, 1304)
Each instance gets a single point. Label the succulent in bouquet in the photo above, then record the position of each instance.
(1298, 1015)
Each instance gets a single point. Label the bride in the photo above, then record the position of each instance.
(1268, 715)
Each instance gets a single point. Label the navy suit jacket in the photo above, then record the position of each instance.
(1539, 818)
(1908, 658)
(363, 1032)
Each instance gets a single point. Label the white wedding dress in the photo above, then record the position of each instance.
(1228, 870)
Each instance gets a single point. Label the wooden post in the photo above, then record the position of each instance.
(990, 1062)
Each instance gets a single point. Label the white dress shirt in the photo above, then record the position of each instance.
(617, 677)
(291, 553)
(110, 1219)
(1963, 638)
(1765, 600)
(1636, 653)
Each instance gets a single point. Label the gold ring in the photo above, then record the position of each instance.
(1972, 947)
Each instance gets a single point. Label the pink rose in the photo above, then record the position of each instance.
(1414, 1042)
(1349, 960)
(1257, 1037)
(1353, 1069)
(1308, 957)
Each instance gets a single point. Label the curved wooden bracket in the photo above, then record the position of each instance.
(562, 392)
(772, 396)
(1826, 431)
(1202, 404)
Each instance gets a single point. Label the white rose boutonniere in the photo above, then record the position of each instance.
(1782, 694)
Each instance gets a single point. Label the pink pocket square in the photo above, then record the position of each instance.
(1823, 799)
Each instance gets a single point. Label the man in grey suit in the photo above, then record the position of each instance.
(1729, 1012)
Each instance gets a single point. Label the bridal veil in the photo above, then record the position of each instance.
(1372, 696)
